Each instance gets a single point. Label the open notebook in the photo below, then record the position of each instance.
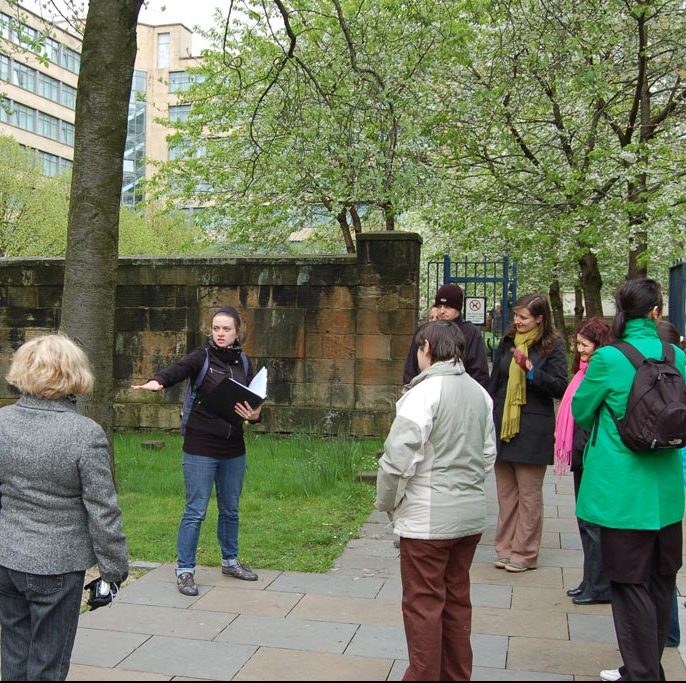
(228, 392)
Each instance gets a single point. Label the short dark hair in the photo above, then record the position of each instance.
(445, 340)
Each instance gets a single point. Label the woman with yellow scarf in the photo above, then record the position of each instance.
(529, 371)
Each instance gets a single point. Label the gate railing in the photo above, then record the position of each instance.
(492, 281)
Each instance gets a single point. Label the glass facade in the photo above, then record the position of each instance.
(134, 152)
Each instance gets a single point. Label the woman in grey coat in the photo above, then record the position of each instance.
(59, 512)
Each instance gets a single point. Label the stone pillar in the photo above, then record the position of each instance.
(387, 305)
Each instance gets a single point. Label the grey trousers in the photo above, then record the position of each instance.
(38, 615)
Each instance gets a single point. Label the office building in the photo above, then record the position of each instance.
(38, 79)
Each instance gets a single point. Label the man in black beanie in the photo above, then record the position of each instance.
(448, 301)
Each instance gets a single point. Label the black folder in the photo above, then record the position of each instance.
(223, 398)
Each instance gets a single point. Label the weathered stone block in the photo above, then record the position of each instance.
(131, 319)
(49, 297)
(389, 372)
(22, 297)
(376, 397)
(371, 424)
(385, 322)
(331, 321)
(330, 371)
(400, 346)
(338, 346)
(309, 394)
(373, 346)
(343, 396)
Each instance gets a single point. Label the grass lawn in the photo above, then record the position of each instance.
(300, 503)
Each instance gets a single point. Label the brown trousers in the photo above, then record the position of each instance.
(520, 511)
(437, 607)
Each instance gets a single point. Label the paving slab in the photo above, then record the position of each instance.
(543, 577)
(385, 642)
(196, 658)
(271, 664)
(95, 647)
(292, 634)
(592, 628)
(560, 656)
(327, 584)
(524, 597)
(517, 622)
(247, 601)
(349, 610)
(489, 595)
(81, 672)
(160, 621)
(159, 594)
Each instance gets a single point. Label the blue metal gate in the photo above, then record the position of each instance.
(677, 296)
(492, 281)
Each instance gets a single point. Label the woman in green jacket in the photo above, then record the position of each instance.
(637, 498)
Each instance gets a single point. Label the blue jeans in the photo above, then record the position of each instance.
(38, 615)
(199, 474)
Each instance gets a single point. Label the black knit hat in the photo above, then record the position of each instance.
(231, 312)
(449, 295)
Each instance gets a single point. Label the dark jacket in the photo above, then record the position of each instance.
(579, 441)
(534, 443)
(206, 433)
(475, 360)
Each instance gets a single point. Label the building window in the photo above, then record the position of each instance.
(4, 68)
(25, 117)
(48, 87)
(139, 84)
(24, 76)
(71, 60)
(163, 50)
(51, 164)
(52, 50)
(180, 81)
(67, 133)
(48, 126)
(68, 96)
(179, 113)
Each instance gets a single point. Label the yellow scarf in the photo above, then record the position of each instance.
(515, 396)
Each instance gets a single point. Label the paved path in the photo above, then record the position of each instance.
(346, 624)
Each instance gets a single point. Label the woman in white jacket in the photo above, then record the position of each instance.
(431, 483)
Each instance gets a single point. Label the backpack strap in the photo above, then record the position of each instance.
(203, 371)
(631, 352)
(637, 358)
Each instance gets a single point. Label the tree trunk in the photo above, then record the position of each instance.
(556, 304)
(639, 236)
(578, 304)
(90, 274)
(342, 218)
(592, 283)
(389, 215)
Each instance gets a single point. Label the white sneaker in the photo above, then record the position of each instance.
(610, 675)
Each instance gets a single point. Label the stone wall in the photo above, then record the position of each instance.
(332, 331)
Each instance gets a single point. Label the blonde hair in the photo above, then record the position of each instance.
(51, 366)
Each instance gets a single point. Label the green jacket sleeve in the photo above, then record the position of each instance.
(591, 392)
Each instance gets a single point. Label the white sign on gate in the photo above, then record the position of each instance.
(475, 309)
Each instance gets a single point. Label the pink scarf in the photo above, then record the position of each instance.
(564, 425)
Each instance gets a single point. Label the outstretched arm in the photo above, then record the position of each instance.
(150, 385)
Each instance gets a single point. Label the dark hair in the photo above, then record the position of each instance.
(597, 331)
(445, 338)
(537, 305)
(635, 299)
(668, 333)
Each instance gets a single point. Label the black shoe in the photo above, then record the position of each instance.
(240, 571)
(573, 592)
(588, 600)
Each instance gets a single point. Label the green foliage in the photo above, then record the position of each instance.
(299, 507)
(34, 210)
(489, 126)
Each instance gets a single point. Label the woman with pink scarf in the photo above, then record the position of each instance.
(570, 441)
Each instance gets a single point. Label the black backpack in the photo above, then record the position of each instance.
(655, 415)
